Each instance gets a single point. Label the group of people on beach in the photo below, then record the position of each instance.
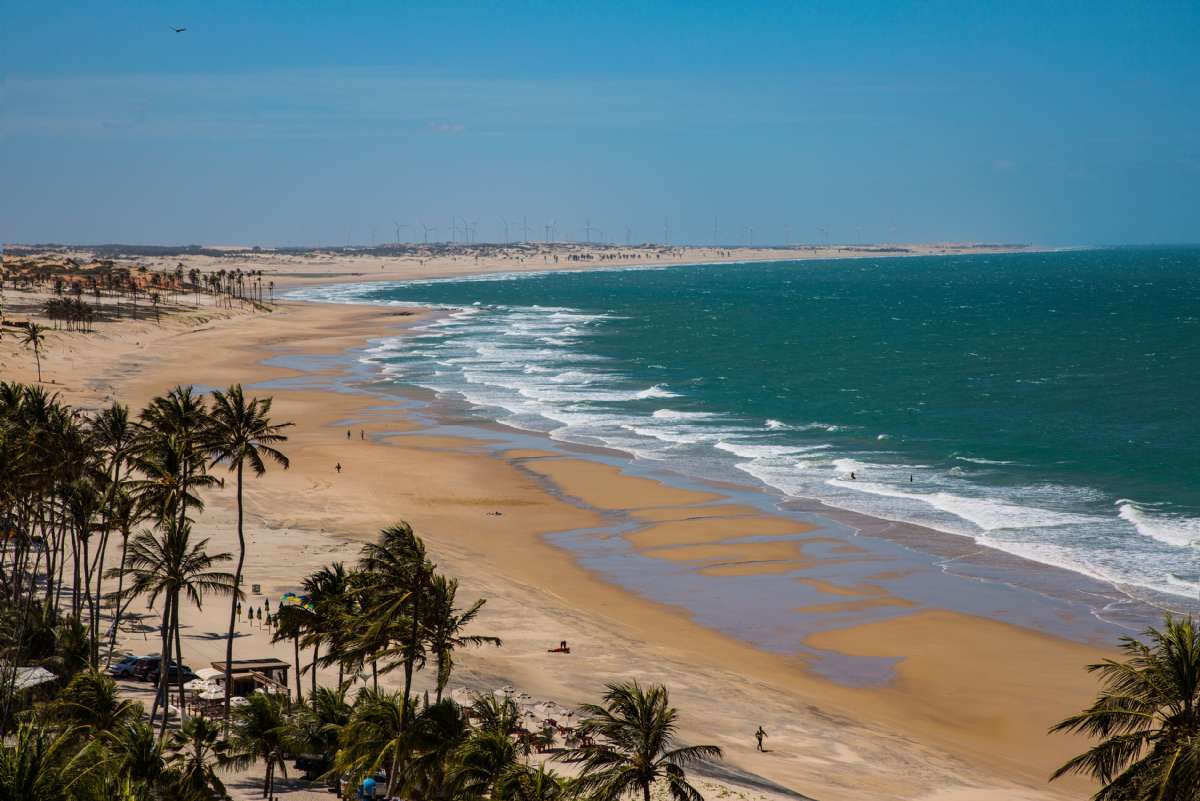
(362, 434)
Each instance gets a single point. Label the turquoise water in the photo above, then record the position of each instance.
(1042, 404)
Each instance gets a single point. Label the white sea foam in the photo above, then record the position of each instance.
(672, 414)
(978, 460)
(657, 391)
(531, 366)
(748, 450)
(1181, 532)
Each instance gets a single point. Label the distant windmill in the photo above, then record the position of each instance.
(398, 227)
(524, 229)
(587, 229)
(667, 231)
(715, 239)
(628, 234)
(505, 221)
(427, 229)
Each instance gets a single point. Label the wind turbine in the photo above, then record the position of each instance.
(398, 227)
(427, 228)
(587, 229)
(505, 221)
(524, 228)
(667, 231)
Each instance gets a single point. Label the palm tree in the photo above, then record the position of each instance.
(33, 337)
(294, 622)
(1147, 717)
(169, 565)
(374, 738)
(194, 752)
(482, 760)
(171, 451)
(90, 702)
(636, 727)
(260, 731)
(39, 764)
(133, 753)
(330, 591)
(444, 626)
(400, 574)
(124, 513)
(520, 783)
(318, 723)
(242, 433)
(433, 738)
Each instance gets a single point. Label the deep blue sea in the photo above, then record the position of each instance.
(1047, 405)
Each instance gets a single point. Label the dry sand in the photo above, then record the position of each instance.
(965, 718)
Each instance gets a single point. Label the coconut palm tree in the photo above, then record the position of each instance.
(636, 728)
(318, 723)
(193, 755)
(434, 736)
(132, 753)
(444, 625)
(520, 783)
(399, 575)
(241, 433)
(330, 591)
(481, 761)
(169, 565)
(260, 731)
(1147, 718)
(171, 452)
(374, 739)
(124, 514)
(40, 764)
(296, 622)
(33, 337)
(91, 704)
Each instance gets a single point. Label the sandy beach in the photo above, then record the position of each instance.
(964, 717)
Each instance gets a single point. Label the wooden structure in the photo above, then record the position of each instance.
(249, 675)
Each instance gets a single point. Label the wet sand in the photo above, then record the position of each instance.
(962, 715)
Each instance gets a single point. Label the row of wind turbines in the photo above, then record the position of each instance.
(460, 230)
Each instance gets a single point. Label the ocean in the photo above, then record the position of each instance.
(1044, 404)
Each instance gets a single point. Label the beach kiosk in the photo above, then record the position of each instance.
(250, 675)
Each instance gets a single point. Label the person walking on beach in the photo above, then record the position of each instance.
(338, 466)
(759, 735)
(347, 433)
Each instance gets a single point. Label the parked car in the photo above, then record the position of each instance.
(127, 666)
(173, 674)
(142, 669)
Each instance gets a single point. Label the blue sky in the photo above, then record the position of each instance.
(321, 123)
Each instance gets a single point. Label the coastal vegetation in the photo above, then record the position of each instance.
(72, 483)
(1146, 718)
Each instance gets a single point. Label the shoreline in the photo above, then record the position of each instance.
(1117, 609)
(907, 731)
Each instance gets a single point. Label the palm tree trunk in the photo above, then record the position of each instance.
(296, 646)
(179, 673)
(316, 653)
(161, 695)
(112, 641)
(646, 791)
(237, 585)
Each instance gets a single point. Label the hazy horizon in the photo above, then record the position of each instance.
(302, 125)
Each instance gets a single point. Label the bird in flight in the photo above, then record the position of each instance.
(178, 30)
